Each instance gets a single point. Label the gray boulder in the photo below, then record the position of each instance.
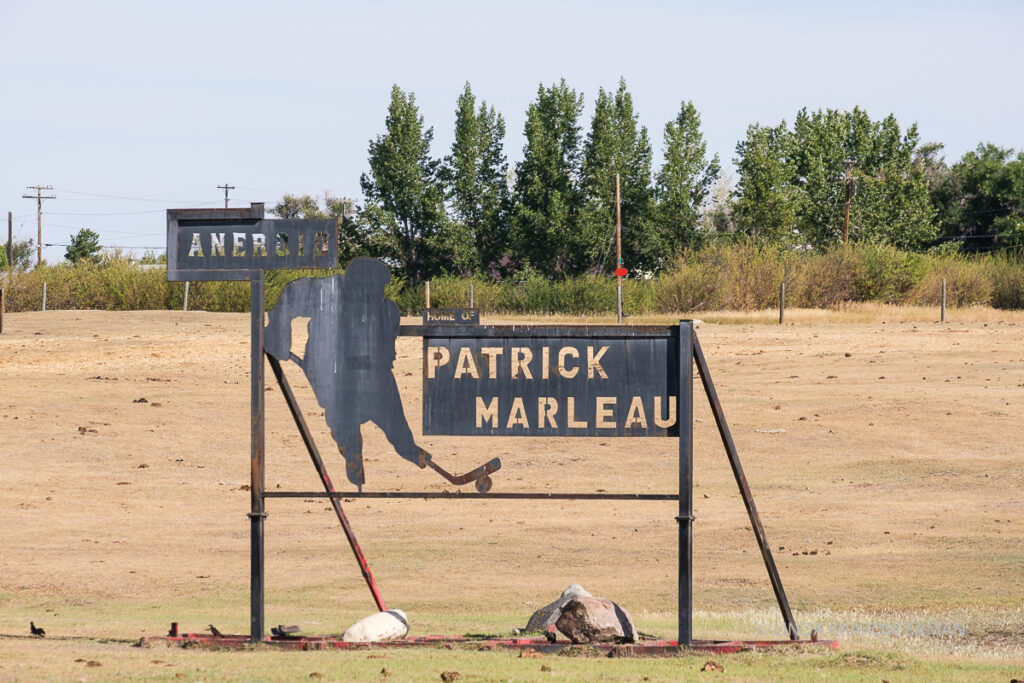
(546, 616)
(595, 620)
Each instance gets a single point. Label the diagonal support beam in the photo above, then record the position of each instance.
(741, 481)
(321, 470)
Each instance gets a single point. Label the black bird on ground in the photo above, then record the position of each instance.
(36, 630)
(214, 631)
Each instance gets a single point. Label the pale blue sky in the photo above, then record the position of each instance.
(130, 108)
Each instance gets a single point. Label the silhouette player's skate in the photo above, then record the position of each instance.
(348, 360)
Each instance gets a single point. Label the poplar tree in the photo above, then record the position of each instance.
(766, 199)
(684, 182)
(404, 210)
(549, 195)
(617, 144)
(476, 187)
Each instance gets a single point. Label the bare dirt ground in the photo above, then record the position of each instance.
(885, 459)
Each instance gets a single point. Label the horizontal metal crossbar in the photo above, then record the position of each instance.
(542, 331)
(473, 495)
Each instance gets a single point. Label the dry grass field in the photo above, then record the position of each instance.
(882, 447)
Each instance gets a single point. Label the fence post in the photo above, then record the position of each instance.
(184, 306)
(782, 300)
(3, 305)
(471, 295)
(942, 316)
(426, 295)
(44, 296)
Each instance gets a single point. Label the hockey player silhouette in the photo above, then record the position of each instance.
(348, 360)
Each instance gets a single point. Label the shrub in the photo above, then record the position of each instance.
(1006, 274)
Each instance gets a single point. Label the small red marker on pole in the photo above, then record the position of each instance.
(621, 272)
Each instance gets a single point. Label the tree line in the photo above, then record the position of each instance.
(553, 213)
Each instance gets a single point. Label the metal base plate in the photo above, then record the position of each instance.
(539, 644)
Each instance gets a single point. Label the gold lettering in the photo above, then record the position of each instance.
(545, 362)
(521, 357)
(517, 416)
(562, 369)
(259, 244)
(492, 353)
(466, 364)
(594, 362)
(546, 409)
(436, 357)
(216, 244)
(197, 246)
(671, 419)
(605, 417)
(238, 244)
(488, 413)
(636, 414)
(570, 413)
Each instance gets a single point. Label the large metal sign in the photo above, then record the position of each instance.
(477, 380)
(551, 381)
(238, 244)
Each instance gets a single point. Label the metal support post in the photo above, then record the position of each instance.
(684, 405)
(748, 497)
(257, 513)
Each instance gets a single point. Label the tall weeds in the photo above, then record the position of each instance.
(743, 277)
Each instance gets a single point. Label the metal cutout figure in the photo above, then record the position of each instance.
(348, 361)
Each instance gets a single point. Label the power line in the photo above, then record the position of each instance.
(39, 215)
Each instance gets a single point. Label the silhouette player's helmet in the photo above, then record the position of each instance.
(367, 274)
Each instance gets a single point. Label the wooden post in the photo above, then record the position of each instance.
(10, 242)
(471, 295)
(44, 296)
(3, 305)
(426, 294)
(618, 246)
(942, 316)
(846, 212)
(782, 300)
(184, 306)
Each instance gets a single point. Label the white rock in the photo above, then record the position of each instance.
(390, 625)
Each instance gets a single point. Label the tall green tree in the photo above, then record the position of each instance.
(476, 187)
(984, 199)
(549, 194)
(84, 246)
(793, 184)
(766, 200)
(617, 144)
(24, 253)
(685, 182)
(352, 238)
(892, 202)
(404, 211)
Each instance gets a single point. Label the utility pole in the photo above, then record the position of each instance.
(39, 215)
(618, 246)
(849, 194)
(225, 187)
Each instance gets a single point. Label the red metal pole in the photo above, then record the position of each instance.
(325, 478)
